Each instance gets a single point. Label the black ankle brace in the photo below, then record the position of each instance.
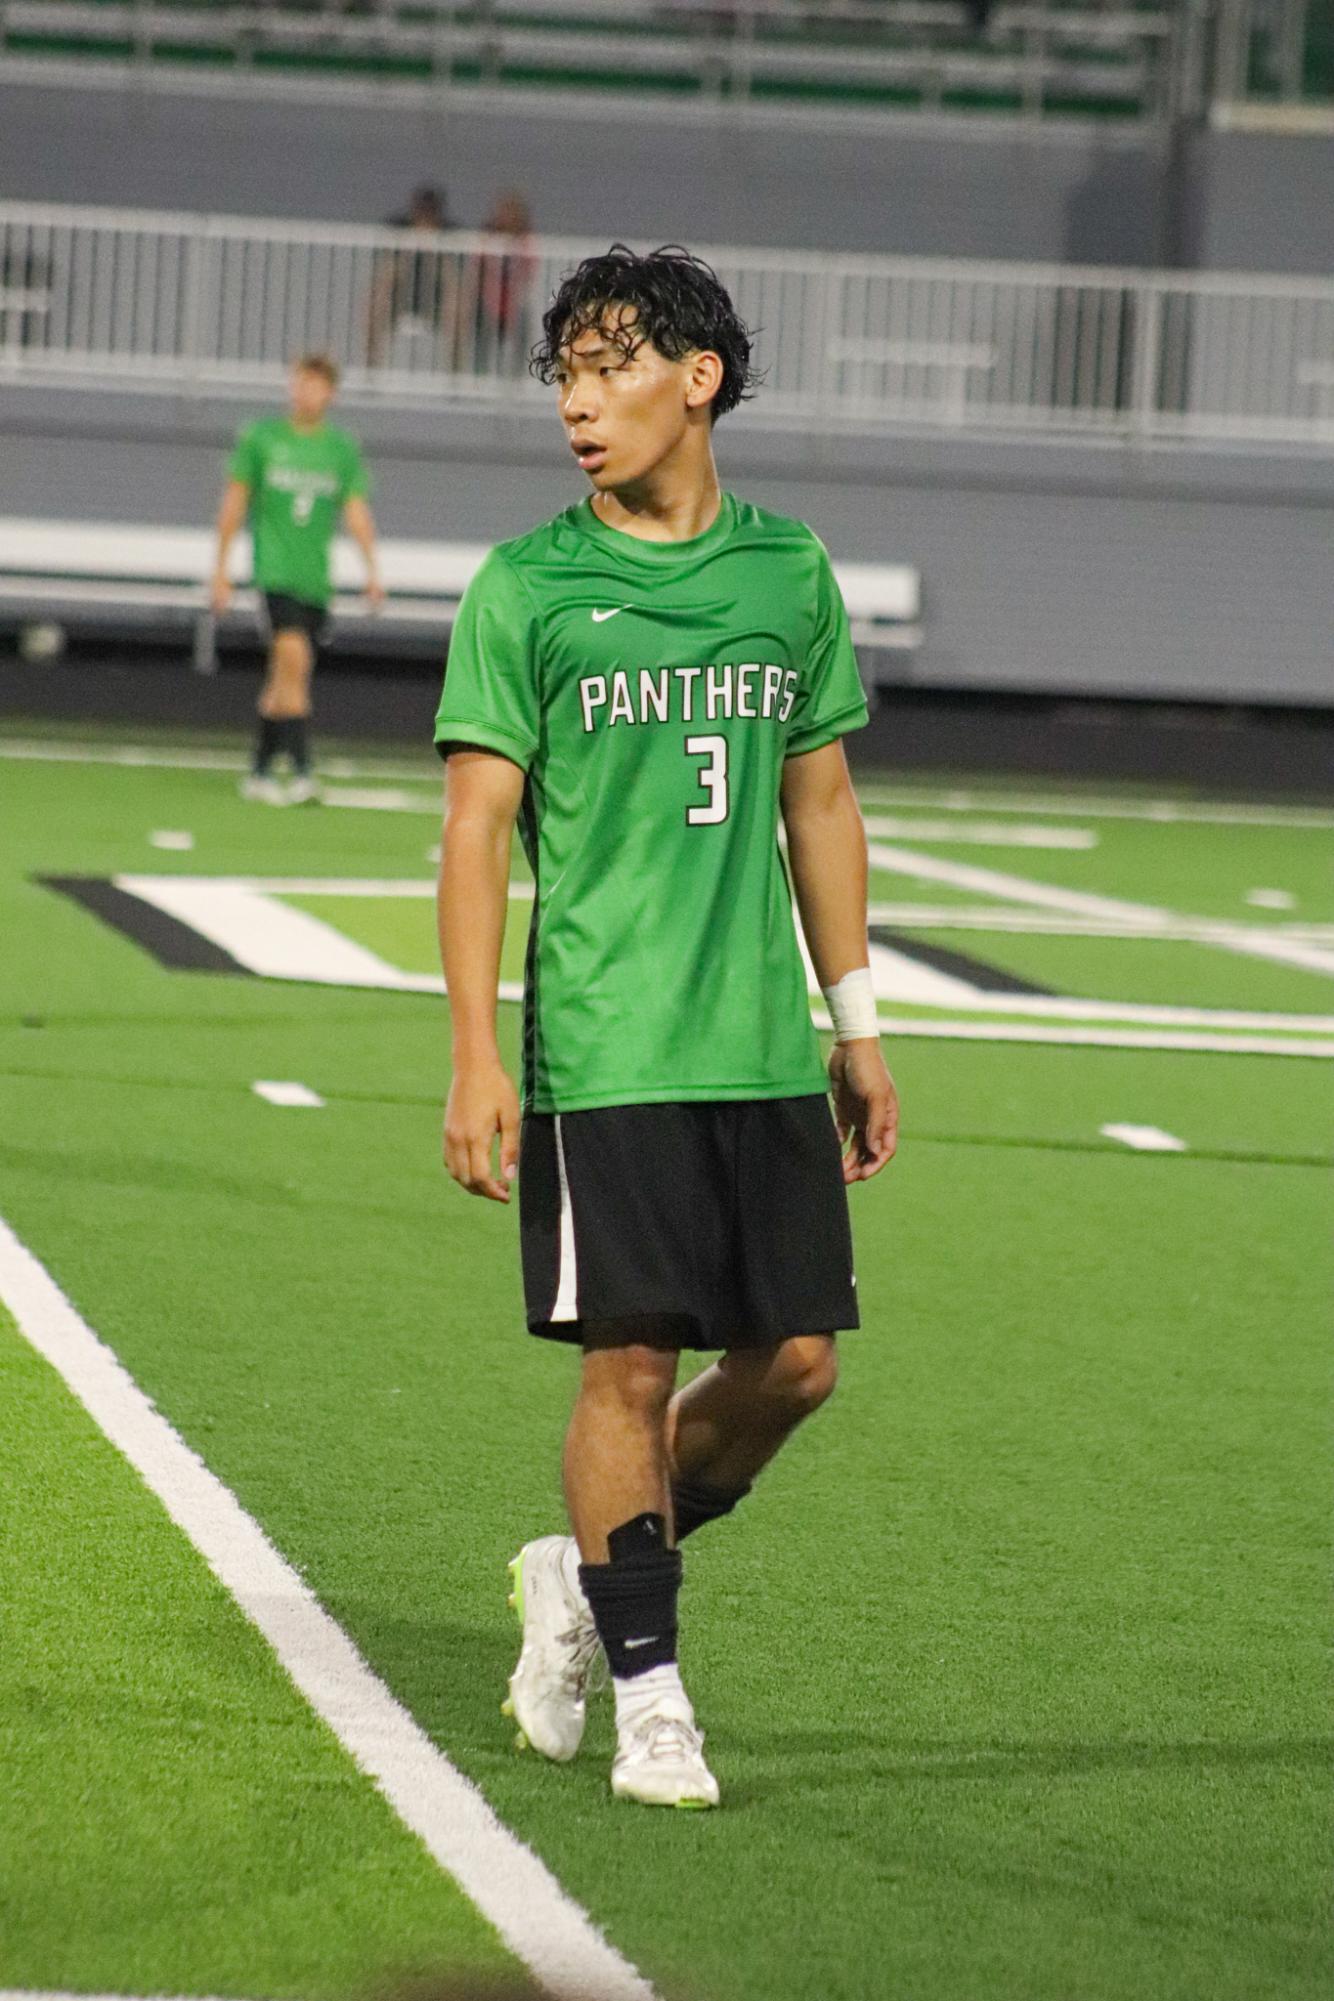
(695, 1502)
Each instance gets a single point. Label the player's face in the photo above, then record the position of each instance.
(312, 393)
(623, 413)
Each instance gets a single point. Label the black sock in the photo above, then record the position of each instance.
(633, 1598)
(268, 744)
(695, 1502)
(298, 745)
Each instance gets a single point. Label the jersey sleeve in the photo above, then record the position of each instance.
(357, 482)
(490, 696)
(246, 461)
(830, 697)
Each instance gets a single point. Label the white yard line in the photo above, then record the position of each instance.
(947, 799)
(1144, 1139)
(1166, 812)
(512, 1888)
(55, 1994)
(979, 833)
(248, 919)
(272, 938)
(1251, 940)
(410, 886)
(277, 1092)
(911, 1027)
(176, 758)
(381, 799)
(184, 757)
(1053, 924)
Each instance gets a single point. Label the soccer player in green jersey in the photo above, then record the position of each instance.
(293, 477)
(647, 685)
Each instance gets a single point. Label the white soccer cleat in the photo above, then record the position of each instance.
(268, 791)
(660, 1758)
(550, 1685)
(303, 790)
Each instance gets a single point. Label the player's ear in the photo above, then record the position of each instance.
(704, 380)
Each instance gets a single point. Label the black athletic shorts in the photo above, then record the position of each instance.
(288, 614)
(729, 1221)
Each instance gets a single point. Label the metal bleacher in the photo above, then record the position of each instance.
(110, 577)
(1118, 58)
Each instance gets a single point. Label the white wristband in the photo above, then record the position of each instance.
(851, 1005)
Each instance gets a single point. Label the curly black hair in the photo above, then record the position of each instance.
(670, 298)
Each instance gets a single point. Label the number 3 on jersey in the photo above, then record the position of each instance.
(713, 778)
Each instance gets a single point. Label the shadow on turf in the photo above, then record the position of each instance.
(169, 1175)
(878, 1755)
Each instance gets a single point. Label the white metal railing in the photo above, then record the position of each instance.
(215, 305)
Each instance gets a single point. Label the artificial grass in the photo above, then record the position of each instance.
(1167, 972)
(174, 1819)
(1014, 1667)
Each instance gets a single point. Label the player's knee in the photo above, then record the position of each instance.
(638, 1379)
(807, 1373)
(291, 656)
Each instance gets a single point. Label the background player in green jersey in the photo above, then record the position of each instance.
(293, 477)
(646, 685)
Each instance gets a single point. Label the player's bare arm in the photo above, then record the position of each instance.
(827, 853)
(482, 797)
(231, 519)
(360, 525)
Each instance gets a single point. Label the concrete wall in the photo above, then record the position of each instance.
(1189, 576)
(1265, 203)
(960, 190)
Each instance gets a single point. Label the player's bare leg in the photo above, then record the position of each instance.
(618, 1496)
(284, 708)
(615, 1465)
(726, 1425)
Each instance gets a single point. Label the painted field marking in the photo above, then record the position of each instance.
(54, 1994)
(1144, 1139)
(1164, 812)
(380, 799)
(268, 937)
(980, 833)
(1197, 1042)
(1054, 924)
(177, 841)
(1255, 941)
(539, 1922)
(184, 757)
(246, 918)
(1271, 899)
(275, 1092)
(950, 799)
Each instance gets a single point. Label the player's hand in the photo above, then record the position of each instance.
(220, 592)
(482, 1105)
(866, 1108)
(374, 593)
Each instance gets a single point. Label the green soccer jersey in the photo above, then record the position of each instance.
(298, 483)
(651, 691)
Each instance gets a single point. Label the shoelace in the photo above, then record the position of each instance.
(667, 1737)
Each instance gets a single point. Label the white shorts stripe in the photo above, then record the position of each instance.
(567, 1277)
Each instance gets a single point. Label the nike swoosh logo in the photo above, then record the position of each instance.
(640, 1643)
(600, 616)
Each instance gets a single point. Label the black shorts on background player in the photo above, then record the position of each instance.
(730, 1217)
(288, 614)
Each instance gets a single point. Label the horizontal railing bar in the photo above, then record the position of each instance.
(376, 236)
(210, 304)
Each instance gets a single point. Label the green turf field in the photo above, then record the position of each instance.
(1015, 1670)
